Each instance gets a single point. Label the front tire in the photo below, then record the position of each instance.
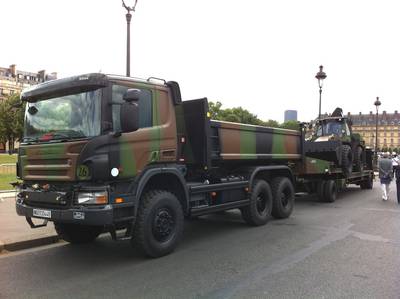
(283, 197)
(159, 225)
(77, 234)
(258, 211)
(347, 160)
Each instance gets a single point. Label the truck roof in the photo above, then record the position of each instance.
(80, 83)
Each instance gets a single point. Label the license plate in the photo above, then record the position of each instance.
(41, 213)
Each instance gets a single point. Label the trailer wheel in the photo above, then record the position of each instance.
(159, 224)
(77, 234)
(283, 197)
(330, 191)
(321, 190)
(358, 162)
(347, 160)
(367, 184)
(258, 211)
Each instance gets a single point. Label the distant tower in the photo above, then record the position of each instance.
(290, 115)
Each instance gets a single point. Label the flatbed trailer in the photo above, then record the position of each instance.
(326, 180)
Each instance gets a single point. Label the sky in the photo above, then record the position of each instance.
(261, 55)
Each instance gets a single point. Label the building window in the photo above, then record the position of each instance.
(11, 92)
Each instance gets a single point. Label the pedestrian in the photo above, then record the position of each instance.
(385, 174)
(396, 169)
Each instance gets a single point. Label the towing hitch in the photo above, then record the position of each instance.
(33, 225)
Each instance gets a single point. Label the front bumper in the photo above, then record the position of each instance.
(103, 215)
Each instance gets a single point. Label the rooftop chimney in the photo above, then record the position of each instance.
(13, 70)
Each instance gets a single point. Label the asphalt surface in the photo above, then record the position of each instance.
(348, 249)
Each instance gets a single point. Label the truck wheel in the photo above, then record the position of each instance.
(367, 184)
(258, 211)
(321, 190)
(77, 234)
(330, 191)
(358, 162)
(159, 223)
(347, 160)
(283, 197)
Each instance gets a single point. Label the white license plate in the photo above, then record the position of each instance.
(41, 213)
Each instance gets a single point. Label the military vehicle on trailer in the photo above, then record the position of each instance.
(333, 140)
(115, 154)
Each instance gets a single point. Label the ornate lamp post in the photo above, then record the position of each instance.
(320, 76)
(128, 35)
(377, 103)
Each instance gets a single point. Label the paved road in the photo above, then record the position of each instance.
(349, 249)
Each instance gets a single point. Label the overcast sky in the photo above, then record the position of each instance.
(261, 55)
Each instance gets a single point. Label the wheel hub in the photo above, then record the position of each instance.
(163, 224)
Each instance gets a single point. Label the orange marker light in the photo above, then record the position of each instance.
(102, 199)
(119, 200)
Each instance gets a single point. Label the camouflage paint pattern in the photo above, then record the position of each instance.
(152, 144)
(241, 141)
(315, 166)
(51, 161)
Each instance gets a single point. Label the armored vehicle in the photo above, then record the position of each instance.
(116, 154)
(333, 140)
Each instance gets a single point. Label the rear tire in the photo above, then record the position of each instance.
(330, 191)
(283, 197)
(347, 160)
(77, 234)
(258, 212)
(159, 225)
(368, 184)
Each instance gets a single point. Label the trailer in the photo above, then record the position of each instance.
(325, 178)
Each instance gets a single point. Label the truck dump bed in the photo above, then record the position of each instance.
(210, 142)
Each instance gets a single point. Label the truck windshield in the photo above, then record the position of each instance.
(66, 117)
(330, 128)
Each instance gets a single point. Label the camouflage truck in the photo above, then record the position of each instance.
(104, 153)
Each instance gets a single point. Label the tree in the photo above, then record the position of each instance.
(237, 114)
(11, 120)
(291, 124)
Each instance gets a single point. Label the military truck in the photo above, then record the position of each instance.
(104, 153)
(333, 140)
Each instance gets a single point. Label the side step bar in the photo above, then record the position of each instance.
(221, 207)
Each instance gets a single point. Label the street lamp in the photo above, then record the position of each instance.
(377, 103)
(320, 76)
(128, 35)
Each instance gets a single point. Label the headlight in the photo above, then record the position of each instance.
(92, 198)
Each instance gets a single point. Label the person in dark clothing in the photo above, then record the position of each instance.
(385, 174)
(397, 176)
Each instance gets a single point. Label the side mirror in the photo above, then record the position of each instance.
(129, 116)
(131, 95)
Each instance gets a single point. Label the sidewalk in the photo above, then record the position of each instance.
(15, 232)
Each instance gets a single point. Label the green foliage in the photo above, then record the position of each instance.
(11, 119)
(240, 115)
(291, 125)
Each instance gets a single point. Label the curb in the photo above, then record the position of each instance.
(16, 245)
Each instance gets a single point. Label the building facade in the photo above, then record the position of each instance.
(13, 81)
(388, 129)
(290, 115)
